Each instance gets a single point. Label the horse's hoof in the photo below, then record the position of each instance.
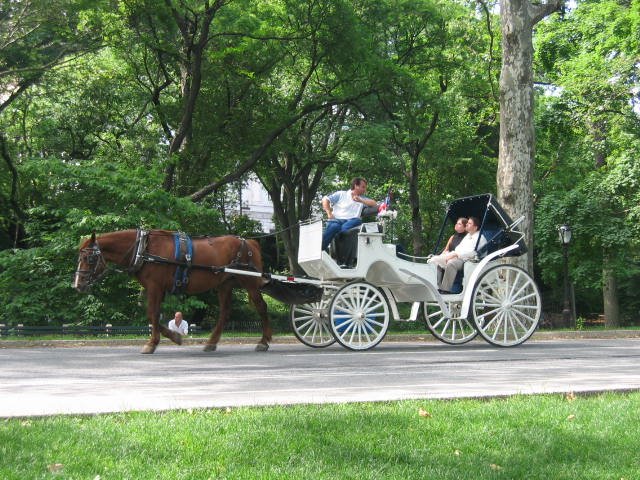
(148, 348)
(209, 347)
(262, 347)
(177, 339)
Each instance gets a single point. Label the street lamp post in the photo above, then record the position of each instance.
(564, 232)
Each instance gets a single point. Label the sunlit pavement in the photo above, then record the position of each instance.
(95, 379)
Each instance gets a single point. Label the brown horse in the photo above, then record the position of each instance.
(151, 257)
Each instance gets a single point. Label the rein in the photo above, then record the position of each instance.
(142, 256)
(148, 257)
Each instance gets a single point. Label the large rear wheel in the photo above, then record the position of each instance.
(454, 331)
(506, 306)
(359, 316)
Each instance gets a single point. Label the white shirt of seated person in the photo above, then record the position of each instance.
(344, 206)
(466, 249)
(178, 324)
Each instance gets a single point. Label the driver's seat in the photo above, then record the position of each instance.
(345, 245)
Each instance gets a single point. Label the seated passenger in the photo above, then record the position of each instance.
(452, 243)
(343, 209)
(453, 261)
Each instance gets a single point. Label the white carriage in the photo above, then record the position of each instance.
(498, 301)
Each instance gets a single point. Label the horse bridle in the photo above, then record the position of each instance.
(98, 267)
(92, 255)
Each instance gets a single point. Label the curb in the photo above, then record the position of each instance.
(290, 339)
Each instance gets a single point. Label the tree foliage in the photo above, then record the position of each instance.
(588, 130)
(146, 113)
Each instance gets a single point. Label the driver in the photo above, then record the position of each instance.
(343, 209)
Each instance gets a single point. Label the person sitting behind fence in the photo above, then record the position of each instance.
(453, 261)
(178, 324)
(343, 209)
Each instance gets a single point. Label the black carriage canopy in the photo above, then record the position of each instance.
(494, 221)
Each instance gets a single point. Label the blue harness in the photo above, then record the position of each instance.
(184, 256)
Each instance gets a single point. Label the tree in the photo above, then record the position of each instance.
(418, 43)
(517, 138)
(590, 59)
(35, 37)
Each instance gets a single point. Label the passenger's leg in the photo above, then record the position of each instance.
(450, 272)
(438, 260)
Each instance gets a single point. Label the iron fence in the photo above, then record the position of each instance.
(21, 330)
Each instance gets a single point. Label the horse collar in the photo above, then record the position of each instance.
(140, 247)
(242, 251)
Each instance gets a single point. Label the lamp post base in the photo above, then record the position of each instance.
(566, 317)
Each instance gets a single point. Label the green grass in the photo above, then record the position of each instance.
(533, 437)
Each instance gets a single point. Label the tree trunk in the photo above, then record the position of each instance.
(15, 230)
(195, 38)
(610, 293)
(414, 149)
(517, 138)
(414, 201)
(292, 185)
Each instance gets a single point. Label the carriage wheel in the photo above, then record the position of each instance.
(506, 306)
(310, 322)
(454, 331)
(359, 316)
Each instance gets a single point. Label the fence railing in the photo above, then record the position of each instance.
(21, 330)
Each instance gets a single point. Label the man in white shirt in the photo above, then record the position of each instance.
(343, 209)
(178, 324)
(453, 262)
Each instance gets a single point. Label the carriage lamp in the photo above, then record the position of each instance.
(564, 232)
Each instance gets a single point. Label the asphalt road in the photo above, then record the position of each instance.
(95, 379)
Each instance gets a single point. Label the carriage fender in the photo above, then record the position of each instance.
(415, 308)
(471, 283)
(382, 273)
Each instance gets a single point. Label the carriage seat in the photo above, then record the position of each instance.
(494, 238)
(345, 247)
(457, 283)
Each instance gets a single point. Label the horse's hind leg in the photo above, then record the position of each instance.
(224, 300)
(261, 307)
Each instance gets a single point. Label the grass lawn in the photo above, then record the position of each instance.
(534, 437)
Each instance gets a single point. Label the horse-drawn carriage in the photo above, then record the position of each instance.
(353, 305)
(499, 301)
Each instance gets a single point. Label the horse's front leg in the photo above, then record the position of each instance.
(154, 301)
(261, 306)
(224, 302)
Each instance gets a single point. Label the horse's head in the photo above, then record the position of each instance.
(91, 265)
